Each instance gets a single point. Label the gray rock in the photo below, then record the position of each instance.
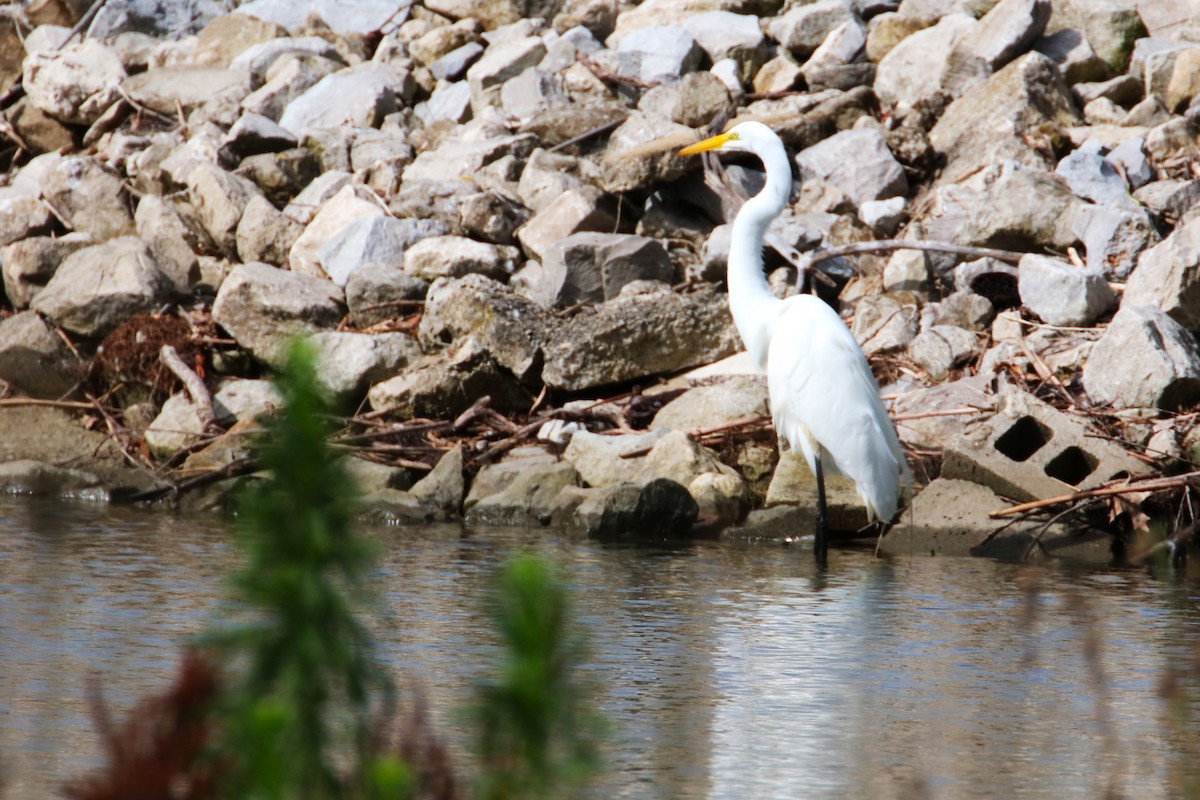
(779, 74)
(940, 348)
(356, 96)
(442, 388)
(216, 93)
(291, 75)
(1001, 118)
(443, 488)
(372, 239)
(600, 460)
(450, 102)
(858, 161)
(657, 54)
(883, 216)
(22, 216)
(348, 363)
(1123, 90)
(1092, 177)
(1061, 293)
(965, 309)
(884, 324)
(1006, 31)
(660, 509)
(178, 425)
(254, 133)
(547, 175)
(383, 291)
(993, 209)
(1111, 26)
(260, 58)
(433, 44)
(263, 308)
(802, 29)
(844, 45)
(491, 216)
(906, 271)
(572, 211)
(594, 267)
(171, 242)
(1165, 277)
(724, 35)
(75, 84)
(158, 18)
(642, 151)
(1145, 359)
(636, 336)
(38, 478)
(1070, 50)
(532, 92)
(1169, 198)
(304, 207)
(99, 287)
(456, 157)
(220, 198)
(510, 329)
(714, 255)
(523, 491)
(716, 404)
(225, 38)
(90, 196)
(358, 17)
(29, 264)
(456, 256)
(264, 233)
(454, 65)
(350, 205)
(562, 53)
(701, 97)
(793, 484)
(912, 71)
(34, 359)
(501, 61)
(1114, 237)
(1131, 159)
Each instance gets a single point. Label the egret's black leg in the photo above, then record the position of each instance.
(821, 541)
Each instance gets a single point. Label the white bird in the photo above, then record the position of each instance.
(824, 399)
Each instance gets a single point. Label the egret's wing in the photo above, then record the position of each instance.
(823, 393)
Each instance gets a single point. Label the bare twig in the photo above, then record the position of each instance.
(241, 466)
(888, 245)
(201, 398)
(13, 402)
(83, 23)
(698, 433)
(1148, 485)
(605, 128)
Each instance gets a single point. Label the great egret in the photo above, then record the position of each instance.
(824, 399)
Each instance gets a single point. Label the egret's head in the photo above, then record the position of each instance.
(743, 137)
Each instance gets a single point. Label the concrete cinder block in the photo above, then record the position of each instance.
(1029, 450)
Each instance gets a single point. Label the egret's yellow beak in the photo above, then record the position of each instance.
(713, 143)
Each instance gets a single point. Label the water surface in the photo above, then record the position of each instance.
(726, 671)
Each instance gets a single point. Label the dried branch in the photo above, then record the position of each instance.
(201, 398)
(1147, 485)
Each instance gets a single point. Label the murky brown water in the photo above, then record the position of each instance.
(726, 671)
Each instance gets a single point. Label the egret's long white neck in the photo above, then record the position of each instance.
(750, 298)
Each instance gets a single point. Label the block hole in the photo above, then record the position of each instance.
(1023, 439)
(1072, 465)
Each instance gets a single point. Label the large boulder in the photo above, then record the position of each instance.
(1061, 293)
(594, 267)
(1144, 359)
(856, 161)
(263, 308)
(1005, 117)
(99, 287)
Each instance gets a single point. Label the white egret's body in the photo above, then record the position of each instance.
(824, 399)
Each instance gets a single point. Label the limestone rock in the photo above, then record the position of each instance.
(99, 287)
(594, 267)
(34, 359)
(264, 233)
(456, 256)
(1063, 294)
(639, 335)
(218, 92)
(660, 509)
(1167, 276)
(22, 216)
(75, 84)
(657, 54)
(348, 363)
(941, 348)
(1114, 237)
(912, 70)
(802, 29)
(357, 96)
(642, 151)
(220, 198)
(382, 291)
(1144, 359)
(859, 162)
(372, 239)
(348, 205)
(523, 491)
(29, 264)
(439, 388)
(90, 196)
(263, 307)
(1001, 117)
(570, 212)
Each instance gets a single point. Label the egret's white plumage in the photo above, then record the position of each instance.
(824, 399)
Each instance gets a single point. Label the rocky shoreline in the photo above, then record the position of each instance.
(475, 214)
